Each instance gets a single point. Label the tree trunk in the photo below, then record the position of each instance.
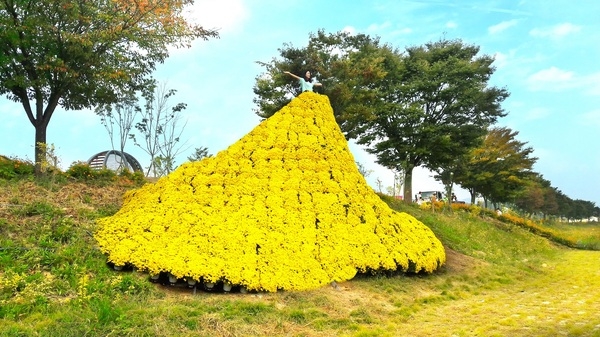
(408, 184)
(40, 148)
(40, 123)
(449, 196)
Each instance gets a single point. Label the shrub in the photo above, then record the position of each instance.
(80, 170)
(83, 171)
(437, 205)
(137, 177)
(15, 168)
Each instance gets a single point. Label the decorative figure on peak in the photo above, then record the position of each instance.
(306, 82)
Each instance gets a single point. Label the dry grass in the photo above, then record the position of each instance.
(73, 199)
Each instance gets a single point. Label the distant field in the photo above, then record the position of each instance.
(585, 234)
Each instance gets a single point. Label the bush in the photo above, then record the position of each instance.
(137, 177)
(83, 171)
(437, 205)
(15, 168)
(80, 170)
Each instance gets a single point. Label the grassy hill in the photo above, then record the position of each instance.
(500, 279)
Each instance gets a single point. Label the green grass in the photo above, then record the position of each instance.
(500, 280)
(586, 235)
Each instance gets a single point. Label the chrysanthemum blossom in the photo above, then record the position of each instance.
(285, 207)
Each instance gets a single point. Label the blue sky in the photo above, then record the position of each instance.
(547, 56)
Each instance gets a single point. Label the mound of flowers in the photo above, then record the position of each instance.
(285, 207)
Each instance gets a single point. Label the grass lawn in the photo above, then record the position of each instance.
(499, 280)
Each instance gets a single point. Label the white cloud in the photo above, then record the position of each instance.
(552, 74)
(224, 15)
(555, 79)
(500, 59)
(501, 26)
(557, 31)
(350, 30)
(451, 24)
(551, 79)
(508, 59)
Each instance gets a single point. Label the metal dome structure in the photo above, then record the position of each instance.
(114, 160)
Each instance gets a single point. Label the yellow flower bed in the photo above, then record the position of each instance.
(285, 207)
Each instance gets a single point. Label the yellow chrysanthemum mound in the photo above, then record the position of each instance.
(283, 208)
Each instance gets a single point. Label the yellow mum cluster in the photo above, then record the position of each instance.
(285, 207)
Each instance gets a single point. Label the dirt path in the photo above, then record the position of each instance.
(563, 301)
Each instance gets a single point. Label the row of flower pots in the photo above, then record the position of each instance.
(173, 280)
(192, 283)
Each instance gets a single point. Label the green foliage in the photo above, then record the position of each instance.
(159, 130)
(564, 236)
(80, 170)
(538, 196)
(199, 154)
(49, 163)
(497, 169)
(439, 106)
(11, 168)
(39, 208)
(83, 172)
(345, 64)
(85, 53)
(163, 165)
(426, 107)
(136, 177)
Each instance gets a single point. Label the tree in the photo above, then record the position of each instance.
(159, 126)
(437, 105)
(565, 205)
(122, 116)
(427, 107)
(498, 168)
(160, 130)
(80, 54)
(199, 154)
(551, 195)
(550, 207)
(539, 196)
(347, 65)
(531, 198)
(583, 209)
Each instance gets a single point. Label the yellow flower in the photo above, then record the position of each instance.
(285, 207)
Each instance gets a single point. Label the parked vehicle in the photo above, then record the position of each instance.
(427, 195)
